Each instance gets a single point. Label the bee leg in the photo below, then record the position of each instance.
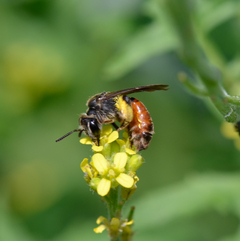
(123, 125)
(115, 126)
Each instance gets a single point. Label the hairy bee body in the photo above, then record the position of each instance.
(109, 107)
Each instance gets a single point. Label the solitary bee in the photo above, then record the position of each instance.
(109, 107)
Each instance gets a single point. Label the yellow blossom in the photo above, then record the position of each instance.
(103, 187)
(114, 226)
(86, 140)
(113, 163)
(97, 148)
(109, 142)
(111, 173)
(100, 163)
(113, 136)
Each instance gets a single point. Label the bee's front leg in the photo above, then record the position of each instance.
(115, 125)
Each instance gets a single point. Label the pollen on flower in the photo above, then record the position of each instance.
(111, 173)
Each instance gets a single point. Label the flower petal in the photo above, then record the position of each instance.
(101, 219)
(121, 142)
(106, 130)
(114, 224)
(113, 136)
(130, 151)
(125, 180)
(86, 141)
(97, 148)
(83, 164)
(100, 163)
(129, 222)
(99, 229)
(103, 187)
(120, 160)
(136, 179)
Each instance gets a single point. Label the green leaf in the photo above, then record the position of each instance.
(195, 195)
(151, 40)
(212, 15)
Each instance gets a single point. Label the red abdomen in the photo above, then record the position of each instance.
(141, 127)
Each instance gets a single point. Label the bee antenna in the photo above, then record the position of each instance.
(69, 133)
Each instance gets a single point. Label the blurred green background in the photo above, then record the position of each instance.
(56, 54)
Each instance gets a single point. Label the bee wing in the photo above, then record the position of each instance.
(146, 88)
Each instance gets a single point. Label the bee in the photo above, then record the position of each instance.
(109, 107)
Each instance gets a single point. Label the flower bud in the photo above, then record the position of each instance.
(94, 183)
(134, 163)
(127, 193)
(106, 150)
(87, 178)
(114, 147)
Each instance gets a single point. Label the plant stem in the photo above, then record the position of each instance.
(193, 55)
(112, 201)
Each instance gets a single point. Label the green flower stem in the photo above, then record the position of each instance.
(193, 55)
(111, 173)
(112, 201)
(130, 215)
(192, 87)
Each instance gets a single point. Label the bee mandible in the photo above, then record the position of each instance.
(109, 107)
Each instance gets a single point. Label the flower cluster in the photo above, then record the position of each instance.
(113, 163)
(115, 227)
(111, 172)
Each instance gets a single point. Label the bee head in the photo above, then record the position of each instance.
(90, 126)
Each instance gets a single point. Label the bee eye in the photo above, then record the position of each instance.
(94, 126)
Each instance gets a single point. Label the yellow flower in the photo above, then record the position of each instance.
(107, 135)
(109, 142)
(113, 163)
(229, 132)
(114, 226)
(88, 170)
(111, 172)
